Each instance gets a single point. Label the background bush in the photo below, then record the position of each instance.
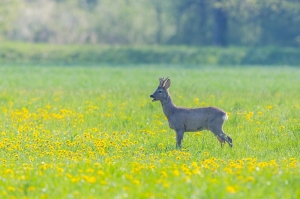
(96, 54)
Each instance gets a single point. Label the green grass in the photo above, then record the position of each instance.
(93, 132)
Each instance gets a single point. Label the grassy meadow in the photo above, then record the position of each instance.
(93, 132)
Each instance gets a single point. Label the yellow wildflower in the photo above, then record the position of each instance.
(230, 189)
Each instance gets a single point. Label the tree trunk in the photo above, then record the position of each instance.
(203, 21)
(219, 26)
(159, 23)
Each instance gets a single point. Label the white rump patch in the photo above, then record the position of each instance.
(225, 117)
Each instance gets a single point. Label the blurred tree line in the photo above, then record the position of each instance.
(180, 22)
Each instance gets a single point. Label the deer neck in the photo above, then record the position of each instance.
(168, 106)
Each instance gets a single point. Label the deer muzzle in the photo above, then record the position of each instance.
(152, 96)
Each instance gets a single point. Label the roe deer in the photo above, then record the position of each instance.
(190, 119)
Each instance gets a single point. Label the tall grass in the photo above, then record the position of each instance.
(78, 132)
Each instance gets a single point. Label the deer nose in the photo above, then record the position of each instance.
(152, 96)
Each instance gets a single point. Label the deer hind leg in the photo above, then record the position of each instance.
(222, 141)
(228, 140)
(216, 128)
(223, 137)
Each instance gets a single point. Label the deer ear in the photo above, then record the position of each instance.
(167, 84)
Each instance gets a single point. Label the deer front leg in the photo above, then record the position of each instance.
(179, 137)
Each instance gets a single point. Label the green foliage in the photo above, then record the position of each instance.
(176, 22)
(95, 54)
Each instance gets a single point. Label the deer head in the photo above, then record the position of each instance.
(161, 92)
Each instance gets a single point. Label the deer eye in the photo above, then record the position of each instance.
(159, 91)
